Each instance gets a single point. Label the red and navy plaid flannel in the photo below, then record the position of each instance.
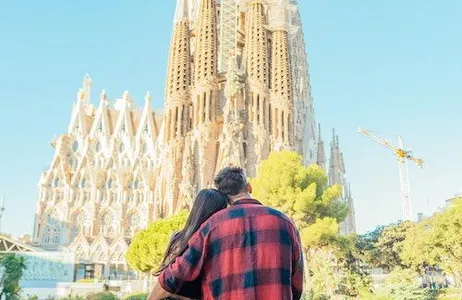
(248, 251)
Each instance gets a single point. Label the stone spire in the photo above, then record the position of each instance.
(321, 155)
(336, 167)
(177, 110)
(257, 47)
(281, 80)
(337, 176)
(205, 96)
(258, 77)
(205, 63)
(177, 102)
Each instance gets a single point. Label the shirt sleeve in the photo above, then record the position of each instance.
(297, 267)
(188, 266)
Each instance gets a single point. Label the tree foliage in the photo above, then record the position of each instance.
(303, 194)
(437, 242)
(13, 267)
(299, 192)
(148, 246)
(390, 245)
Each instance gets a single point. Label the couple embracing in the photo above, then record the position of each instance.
(232, 247)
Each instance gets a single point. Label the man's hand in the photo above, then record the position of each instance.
(158, 293)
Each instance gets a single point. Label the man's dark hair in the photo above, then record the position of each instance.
(231, 181)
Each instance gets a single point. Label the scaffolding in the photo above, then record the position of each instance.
(228, 32)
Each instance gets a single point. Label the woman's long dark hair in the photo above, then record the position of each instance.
(207, 202)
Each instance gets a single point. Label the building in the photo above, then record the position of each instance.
(336, 175)
(237, 88)
(44, 269)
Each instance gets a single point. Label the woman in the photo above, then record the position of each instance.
(207, 202)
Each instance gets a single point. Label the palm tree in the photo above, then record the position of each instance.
(13, 267)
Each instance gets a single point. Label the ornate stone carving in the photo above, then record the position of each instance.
(123, 162)
(186, 187)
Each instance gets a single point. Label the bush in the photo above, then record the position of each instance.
(101, 296)
(136, 297)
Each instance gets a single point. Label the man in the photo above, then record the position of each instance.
(247, 251)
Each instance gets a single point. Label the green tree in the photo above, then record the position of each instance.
(299, 192)
(303, 194)
(13, 268)
(383, 246)
(148, 246)
(437, 242)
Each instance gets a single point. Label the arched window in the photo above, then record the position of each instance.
(56, 182)
(109, 183)
(75, 146)
(83, 183)
(52, 230)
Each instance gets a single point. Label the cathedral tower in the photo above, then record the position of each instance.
(177, 110)
(257, 63)
(205, 93)
(337, 176)
(282, 108)
(237, 88)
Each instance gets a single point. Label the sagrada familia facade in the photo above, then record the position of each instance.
(237, 88)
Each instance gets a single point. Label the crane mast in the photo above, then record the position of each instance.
(403, 156)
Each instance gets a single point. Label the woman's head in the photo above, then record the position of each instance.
(207, 202)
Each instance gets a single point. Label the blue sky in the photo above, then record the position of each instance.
(391, 66)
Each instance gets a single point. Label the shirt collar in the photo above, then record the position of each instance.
(246, 201)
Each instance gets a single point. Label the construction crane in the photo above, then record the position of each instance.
(403, 156)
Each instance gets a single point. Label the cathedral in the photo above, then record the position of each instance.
(237, 88)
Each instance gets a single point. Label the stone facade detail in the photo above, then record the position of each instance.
(337, 176)
(119, 167)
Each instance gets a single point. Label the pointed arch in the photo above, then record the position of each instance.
(52, 228)
(117, 250)
(99, 249)
(80, 246)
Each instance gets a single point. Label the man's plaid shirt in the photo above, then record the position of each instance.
(247, 251)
